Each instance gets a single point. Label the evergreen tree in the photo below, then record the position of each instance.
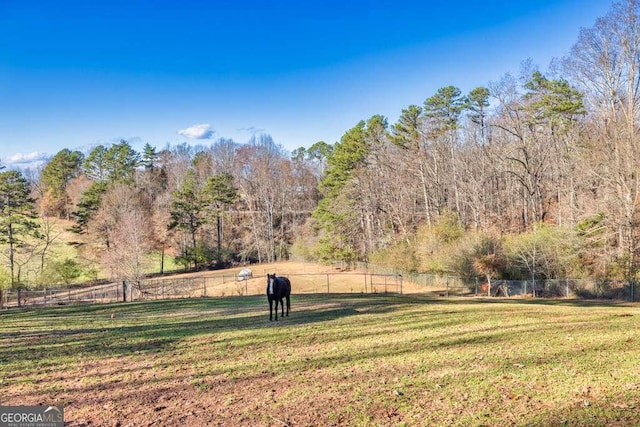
(149, 157)
(57, 174)
(553, 102)
(121, 162)
(333, 218)
(406, 133)
(104, 166)
(88, 205)
(188, 213)
(477, 103)
(17, 214)
(114, 164)
(444, 108)
(219, 192)
(95, 164)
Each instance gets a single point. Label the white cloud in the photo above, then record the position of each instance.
(252, 130)
(201, 131)
(27, 160)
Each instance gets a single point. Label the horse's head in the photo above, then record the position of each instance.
(271, 279)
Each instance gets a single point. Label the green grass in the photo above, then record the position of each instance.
(354, 360)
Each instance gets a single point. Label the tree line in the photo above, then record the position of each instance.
(532, 175)
(206, 206)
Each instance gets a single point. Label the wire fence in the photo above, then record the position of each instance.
(201, 286)
(448, 285)
(541, 288)
(373, 280)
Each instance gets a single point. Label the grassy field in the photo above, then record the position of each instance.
(338, 360)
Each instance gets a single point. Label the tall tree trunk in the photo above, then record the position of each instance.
(219, 233)
(11, 257)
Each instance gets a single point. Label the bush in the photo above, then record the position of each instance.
(68, 270)
(544, 252)
(399, 257)
(605, 289)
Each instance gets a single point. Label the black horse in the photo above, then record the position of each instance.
(278, 288)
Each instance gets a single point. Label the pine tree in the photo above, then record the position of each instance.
(57, 174)
(219, 192)
(17, 214)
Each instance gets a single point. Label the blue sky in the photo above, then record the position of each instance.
(75, 74)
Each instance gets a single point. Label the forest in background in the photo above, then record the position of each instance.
(532, 176)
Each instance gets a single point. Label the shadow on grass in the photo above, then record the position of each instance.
(127, 328)
(571, 302)
(228, 343)
(89, 330)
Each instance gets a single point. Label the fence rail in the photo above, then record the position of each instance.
(202, 286)
(314, 283)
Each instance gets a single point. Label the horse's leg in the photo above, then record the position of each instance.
(271, 310)
(282, 306)
(288, 304)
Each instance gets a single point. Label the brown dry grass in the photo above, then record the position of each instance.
(306, 278)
